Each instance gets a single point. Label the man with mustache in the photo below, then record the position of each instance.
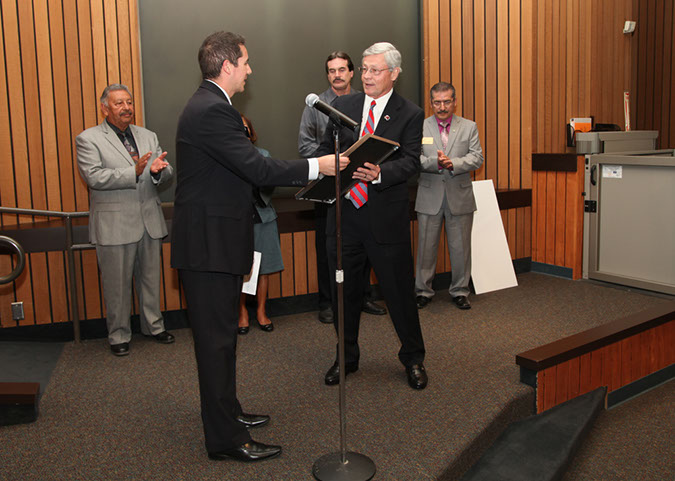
(451, 150)
(126, 222)
(340, 71)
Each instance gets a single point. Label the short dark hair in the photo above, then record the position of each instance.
(343, 56)
(441, 87)
(217, 48)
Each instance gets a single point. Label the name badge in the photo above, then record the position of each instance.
(427, 140)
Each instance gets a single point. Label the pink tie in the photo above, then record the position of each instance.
(444, 140)
(359, 193)
(444, 134)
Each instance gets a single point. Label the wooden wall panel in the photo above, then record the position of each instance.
(56, 56)
(6, 293)
(7, 189)
(58, 288)
(557, 218)
(287, 284)
(300, 263)
(477, 45)
(654, 44)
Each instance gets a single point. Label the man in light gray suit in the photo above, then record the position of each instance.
(450, 151)
(126, 222)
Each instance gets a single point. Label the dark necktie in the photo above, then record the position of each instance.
(124, 137)
(359, 193)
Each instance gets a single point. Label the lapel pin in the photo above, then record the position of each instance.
(386, 117)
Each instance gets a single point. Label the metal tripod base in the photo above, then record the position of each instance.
(356, 467)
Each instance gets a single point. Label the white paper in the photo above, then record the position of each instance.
(491, 265)
(612, 171)
(251, 280)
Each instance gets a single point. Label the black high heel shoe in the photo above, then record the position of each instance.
(242, 330)
(266, 327)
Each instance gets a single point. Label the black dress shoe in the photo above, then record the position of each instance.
(333, 375)
(253, 420)
(248, 452)
(266, 327)
(164, 337)
(422, 301)
(417, 376)
(326, 315)
(371, 308)
(120, 349)
(242, 330)
(462, 302)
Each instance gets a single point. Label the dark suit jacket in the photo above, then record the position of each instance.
(217, 165)
(388, 201)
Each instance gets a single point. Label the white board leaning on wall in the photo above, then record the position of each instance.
(491, 265)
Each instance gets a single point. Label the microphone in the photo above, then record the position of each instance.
(313, 100)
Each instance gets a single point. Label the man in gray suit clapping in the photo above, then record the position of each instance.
(450, 151)
(123, 164)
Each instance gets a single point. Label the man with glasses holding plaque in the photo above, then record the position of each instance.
(339, 71)
(450, 152)
(375, 217)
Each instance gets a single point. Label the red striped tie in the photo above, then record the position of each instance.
(359, 193)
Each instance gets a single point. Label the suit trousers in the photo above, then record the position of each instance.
(393, 267)
(119, 264)
(213, 310)
(323, 270)
(458, 232)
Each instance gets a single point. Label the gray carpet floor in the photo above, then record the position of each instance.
(29, 362)
(137, 417)
(632, 441)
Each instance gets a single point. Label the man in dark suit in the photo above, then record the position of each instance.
(375, 217)
(339, 70)
(212, 235)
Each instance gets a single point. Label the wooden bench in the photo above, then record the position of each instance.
(18, 402)
(628, 356)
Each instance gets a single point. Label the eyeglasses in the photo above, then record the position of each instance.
(374, 71)
(446, 103)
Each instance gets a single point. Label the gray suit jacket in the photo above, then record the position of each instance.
(120, 209)
(466, 154)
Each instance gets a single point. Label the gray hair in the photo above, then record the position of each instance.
(113, 88)
(391, 55)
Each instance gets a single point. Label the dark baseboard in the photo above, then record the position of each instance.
(629, 391)
(522, 265)
(552, 270)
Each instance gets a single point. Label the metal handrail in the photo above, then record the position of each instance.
(68, 216)
(19, 265)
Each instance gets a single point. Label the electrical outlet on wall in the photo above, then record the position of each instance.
(17, 311)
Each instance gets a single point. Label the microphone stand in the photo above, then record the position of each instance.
(343, 465)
